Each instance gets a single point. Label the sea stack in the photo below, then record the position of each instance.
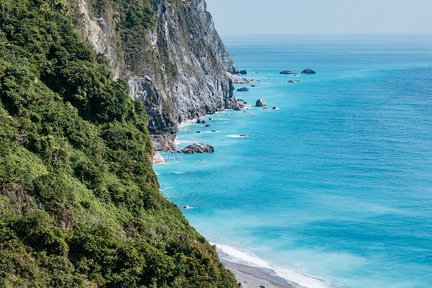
(260, 103)
(308, 71)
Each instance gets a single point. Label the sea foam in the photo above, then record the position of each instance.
(245, 258)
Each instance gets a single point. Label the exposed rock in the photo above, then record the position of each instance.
(240, 80)
(237, 72)
(157, 158)
(178, 68)
(199, 148)
(308, 71)
(243, 89)
(260, 103)
(287, 72)
(253, 86)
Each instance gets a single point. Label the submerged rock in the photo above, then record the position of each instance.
(197, 148)
(293, 81)
(260, 103)
(308, 71)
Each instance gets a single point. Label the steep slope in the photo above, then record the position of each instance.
(79, 202)
(175, 63)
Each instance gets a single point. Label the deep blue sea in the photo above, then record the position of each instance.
(334, 188)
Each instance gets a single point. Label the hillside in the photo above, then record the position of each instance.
(79, 202)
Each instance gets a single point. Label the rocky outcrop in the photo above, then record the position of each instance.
(178, 67)
(287, 72)
(199, 148)
(308, 71)
(260, 103)
(243, 89)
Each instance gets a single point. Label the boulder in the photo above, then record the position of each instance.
(287, 72)
(198, 148)
(308, 71)
(260, 103)
(243, 89)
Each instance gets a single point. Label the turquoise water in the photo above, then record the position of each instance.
(337, 183)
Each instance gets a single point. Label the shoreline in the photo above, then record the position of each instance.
(246, 272)
(254, 277)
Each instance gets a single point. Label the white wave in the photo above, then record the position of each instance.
(237, 136)
(245, 258)
(182, 142)
(241, 257)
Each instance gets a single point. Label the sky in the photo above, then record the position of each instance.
(238, 17)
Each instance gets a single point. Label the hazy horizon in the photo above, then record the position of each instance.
(316, 17)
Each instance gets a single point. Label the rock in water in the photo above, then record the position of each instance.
(243, 89)
(287, 72)
(308, 71)
(199, 148)
(260, 103)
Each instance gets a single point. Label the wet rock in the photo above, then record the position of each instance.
(260, 103)
(308, 71)
(243, 89)
(287, 72)
(197, 148)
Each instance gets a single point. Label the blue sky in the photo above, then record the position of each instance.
(235, 17)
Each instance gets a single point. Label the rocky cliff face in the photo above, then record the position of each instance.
(178, 66)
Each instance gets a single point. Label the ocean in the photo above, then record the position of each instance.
(334, 187)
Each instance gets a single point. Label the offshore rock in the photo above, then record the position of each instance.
(260, 103)
(243, 89)
(308, 71)
(199, 148)
(287, 72)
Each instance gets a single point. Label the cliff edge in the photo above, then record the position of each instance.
(174, 61)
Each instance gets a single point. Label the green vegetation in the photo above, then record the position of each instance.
(79, 202)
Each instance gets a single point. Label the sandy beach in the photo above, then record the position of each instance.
(254, 277)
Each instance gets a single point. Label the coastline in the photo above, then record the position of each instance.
(250, 271)
(253, 277)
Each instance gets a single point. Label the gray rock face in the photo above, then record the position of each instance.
(179, 69)
(199, 148)
(260, 103)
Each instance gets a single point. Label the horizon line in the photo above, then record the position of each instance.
(328, 34)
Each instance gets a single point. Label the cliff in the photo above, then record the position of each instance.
(79, 202)
(175, 63)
